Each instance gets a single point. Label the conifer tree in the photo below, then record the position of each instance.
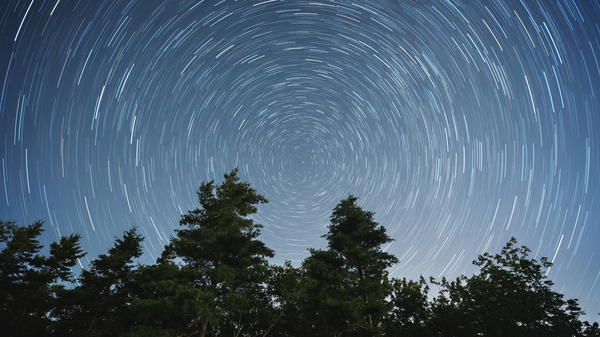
(350, 278)
(100, 304)
(210, 277)
(29, 281)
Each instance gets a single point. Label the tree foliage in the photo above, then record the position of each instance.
(218, 286)
(510, 296)
(411, 311)
(213, 279)
(350, 277)
(29, 281)
(99, 304)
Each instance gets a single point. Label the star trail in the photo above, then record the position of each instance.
(459, 123)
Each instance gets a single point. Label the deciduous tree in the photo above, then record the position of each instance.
(411, 310)
(509, 296)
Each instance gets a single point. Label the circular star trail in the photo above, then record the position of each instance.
(460, 124)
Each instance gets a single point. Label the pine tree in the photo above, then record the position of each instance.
(29, 281)
(350, 278)
(218, 284)
(100, 304)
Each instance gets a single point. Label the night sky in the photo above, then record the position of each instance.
(459, 123)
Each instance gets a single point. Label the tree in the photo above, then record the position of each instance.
(411, 309)
(212, 274)
(99, 305)
(287, 290)
(29, 281)
(508, 297)
(590, 330)
(350, 278)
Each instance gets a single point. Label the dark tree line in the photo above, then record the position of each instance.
(213, 279)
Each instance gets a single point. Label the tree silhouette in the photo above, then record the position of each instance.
(219, 283)
(100, 304)
(29, 281)
(510, 296)
(213, 279)
(350, 278)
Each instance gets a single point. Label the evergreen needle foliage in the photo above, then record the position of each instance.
(213, 279)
